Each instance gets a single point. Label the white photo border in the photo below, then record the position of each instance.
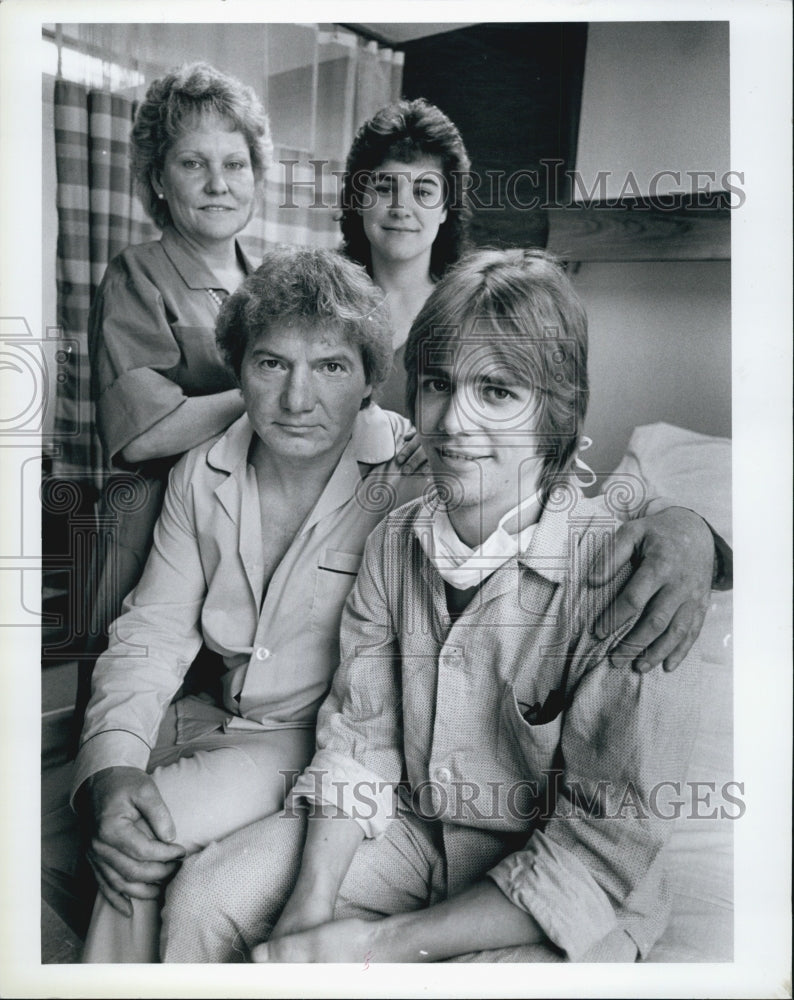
(760, 40)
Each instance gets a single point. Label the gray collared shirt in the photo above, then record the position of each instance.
(510, 727)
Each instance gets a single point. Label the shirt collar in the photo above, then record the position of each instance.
(548, 552)
(545, 545)
(372, 443)
(374, 436)
(191, 266)
(459, 564)
(231, 448)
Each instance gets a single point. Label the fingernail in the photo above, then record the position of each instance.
(642, 666)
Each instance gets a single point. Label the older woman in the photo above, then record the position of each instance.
(200, 147)
(405, 212)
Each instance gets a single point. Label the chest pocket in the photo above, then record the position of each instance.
(530, 747)
(333, 580)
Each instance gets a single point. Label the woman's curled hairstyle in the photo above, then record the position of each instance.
(177, 102)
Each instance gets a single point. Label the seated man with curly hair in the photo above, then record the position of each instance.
(256, 549)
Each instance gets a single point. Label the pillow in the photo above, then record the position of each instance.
(682, 465)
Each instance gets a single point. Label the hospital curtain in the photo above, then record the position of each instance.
(98, 216)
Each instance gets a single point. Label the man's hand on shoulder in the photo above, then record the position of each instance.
(669, 589)
(132, 833)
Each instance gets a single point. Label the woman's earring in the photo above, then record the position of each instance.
(161, 195)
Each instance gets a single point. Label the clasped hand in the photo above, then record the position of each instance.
(132, 850)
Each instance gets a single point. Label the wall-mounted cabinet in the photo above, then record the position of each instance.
(654, 124)
(590, 112)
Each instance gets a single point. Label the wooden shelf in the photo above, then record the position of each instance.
(642, 230)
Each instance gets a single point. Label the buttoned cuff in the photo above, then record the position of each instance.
(342, 782)
(553, 886)
(116, 748)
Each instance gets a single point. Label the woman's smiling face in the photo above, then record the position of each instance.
(208, 182)
(403, 206)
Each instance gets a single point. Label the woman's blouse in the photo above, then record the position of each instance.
(151, 345)
(151, 338)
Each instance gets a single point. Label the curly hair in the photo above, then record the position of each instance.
(174, 103)
(520, 307)
(312, 287)
(406, 131)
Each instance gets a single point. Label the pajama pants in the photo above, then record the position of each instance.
(212, 786)
(228, 898)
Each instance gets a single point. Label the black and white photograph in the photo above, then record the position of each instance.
(396, 460)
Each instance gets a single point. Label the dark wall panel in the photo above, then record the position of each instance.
(514, 91)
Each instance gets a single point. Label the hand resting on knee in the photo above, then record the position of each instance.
(131, 850)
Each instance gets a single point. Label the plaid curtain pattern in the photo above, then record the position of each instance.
(300, 204)
(98, 215)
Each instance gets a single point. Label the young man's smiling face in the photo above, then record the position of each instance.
(477, 420)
